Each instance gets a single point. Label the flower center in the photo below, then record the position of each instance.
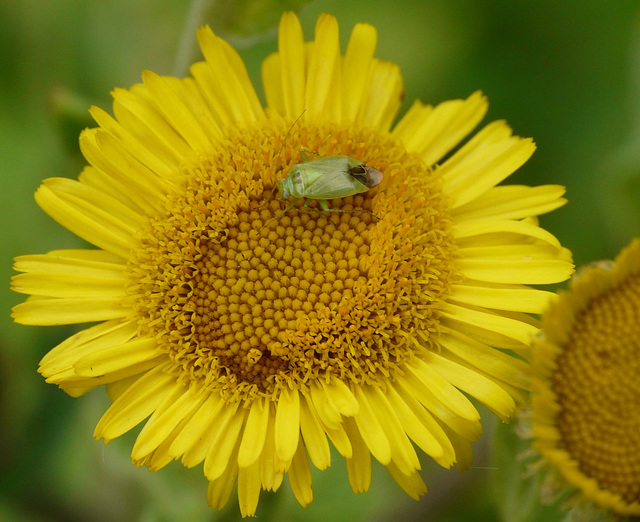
(246, 299)
(599, 392)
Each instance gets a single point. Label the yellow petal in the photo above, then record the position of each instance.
(487, 159)
(463, 423)
(88, 263)
(292, 68)
(160, 457)
(180, 415)
(271, 468)
(359, 464)
(117, 357)
(91, 215)
(287, 429)
(341, 397)
(336, 434)
(105, 153)
(224, 442)
(413, 426)
(45, 311)
(102, 182)
(177, 405)
(135, 110)
(371, 430)
(323, 76)
(433, 132)
(78, 285)
(326, 410)
(300, 477)
(87, 341)
(526, 270)
(220, 490)
(429, 425)
(75, 385)
(412, 484)
(193, 96)
(233, 87)
(516, 298)
(116, 389)
(136, 404)
(511, 202)
(494, 362)
(169, 103)
(132, 144)
(193, 442)
(462, 448)
(506, 326)
(208, 84)
(254, 433)
(314, 437)
(272, 80)
(340, 440)
(488, 337)
(249, 486)
(485, 390)
(441, 389)
(356, 69)
(402, 452)
(384, 96)
(470, 230)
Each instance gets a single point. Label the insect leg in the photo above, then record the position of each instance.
(273, 189)
(304, 155)
(275, 178)
(287, 209)
(325, 206)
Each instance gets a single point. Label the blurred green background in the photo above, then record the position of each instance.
(566, 73)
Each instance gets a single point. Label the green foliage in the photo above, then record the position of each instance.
(516, 495)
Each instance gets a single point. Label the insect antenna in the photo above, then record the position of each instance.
(275, 181)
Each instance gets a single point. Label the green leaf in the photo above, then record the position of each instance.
(517, 496)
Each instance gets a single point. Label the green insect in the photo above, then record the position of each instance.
(324, 179)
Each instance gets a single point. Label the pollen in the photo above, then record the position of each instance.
(246, 298)
(599, 393)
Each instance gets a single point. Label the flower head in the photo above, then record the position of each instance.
(586, 395)
(250, 336)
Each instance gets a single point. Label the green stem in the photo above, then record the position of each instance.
(201, 12)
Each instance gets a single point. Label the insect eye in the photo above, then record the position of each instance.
(360, 173)
(283, 188)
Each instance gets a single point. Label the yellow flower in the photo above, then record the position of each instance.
(586, 391)
(249, 337)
